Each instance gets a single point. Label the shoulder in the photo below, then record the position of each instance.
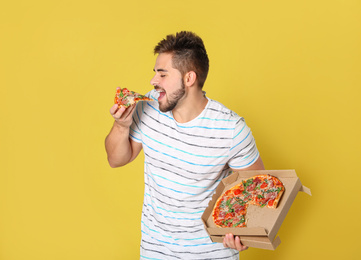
(219, 110)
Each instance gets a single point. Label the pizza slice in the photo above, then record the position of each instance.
(231, 207)
(126, 98)
(267, 191)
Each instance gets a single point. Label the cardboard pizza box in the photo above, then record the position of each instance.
(262, 223)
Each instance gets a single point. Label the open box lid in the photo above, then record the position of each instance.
(262, 223)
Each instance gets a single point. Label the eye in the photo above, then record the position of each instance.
(162, 76)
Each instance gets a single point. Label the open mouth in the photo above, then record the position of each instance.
(161, 93)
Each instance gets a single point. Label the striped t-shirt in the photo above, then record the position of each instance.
(184, 163)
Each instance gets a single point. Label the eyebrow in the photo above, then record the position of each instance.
(160, 70)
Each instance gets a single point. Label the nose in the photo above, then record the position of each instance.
(154, 81)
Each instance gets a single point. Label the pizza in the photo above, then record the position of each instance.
(260, 190)
(126, 98)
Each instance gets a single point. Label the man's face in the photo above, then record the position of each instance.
(168, 82)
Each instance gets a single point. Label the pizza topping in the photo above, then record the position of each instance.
(270, 195)
(251, 187)
(261, 190)
(270, 203)
(264, 185)
(237, 192)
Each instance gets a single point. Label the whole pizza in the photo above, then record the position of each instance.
(231, 207)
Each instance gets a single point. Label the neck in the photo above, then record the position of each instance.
(190, 106)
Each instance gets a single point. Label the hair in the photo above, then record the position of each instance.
(188, 54)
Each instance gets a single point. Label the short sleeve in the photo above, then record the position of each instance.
(243, 151)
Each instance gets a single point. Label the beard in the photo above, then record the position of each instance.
(173, 99)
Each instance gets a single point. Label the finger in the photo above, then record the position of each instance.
(113, 109)
(130, 110)
(119, 113)
(224, 241)
(239, 245)
(228, 241)
(124, 113)
(231, 242)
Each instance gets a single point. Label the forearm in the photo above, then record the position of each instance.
(118, 147)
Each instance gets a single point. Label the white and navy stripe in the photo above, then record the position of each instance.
(184, 164)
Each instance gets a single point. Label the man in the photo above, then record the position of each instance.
(189, 143)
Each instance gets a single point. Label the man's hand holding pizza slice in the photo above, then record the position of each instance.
(122, 115)
(120, 148)
(124, 104)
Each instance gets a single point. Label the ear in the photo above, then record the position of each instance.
(190, 78)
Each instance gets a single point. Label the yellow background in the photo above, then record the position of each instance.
(291, 68)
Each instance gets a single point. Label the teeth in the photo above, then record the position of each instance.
(158, 90)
